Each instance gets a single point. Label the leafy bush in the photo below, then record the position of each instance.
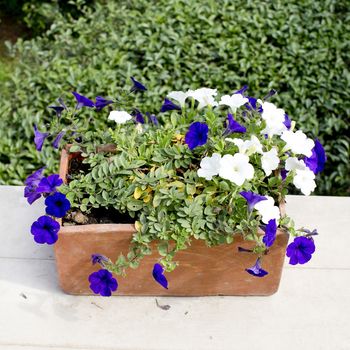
(298, 48)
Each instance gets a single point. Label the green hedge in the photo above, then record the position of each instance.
(299, 48)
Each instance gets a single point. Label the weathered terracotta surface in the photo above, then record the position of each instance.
(203, 271)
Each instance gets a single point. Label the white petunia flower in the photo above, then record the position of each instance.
(274, 118)
(298, 143)
(235, 101)
(210, 166)
(304, 180)
(293, 163)
(204, 96)
(247, 147)
(267, 210)
(270, 161)
(180, 96)
(236, 168)
(120, 117)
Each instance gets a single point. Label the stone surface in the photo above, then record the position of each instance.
(310, 310)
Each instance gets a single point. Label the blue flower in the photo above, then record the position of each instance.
(137, 86)
(318, 158)
(252, 103)
(300, 250)
(39, 138)
(169, 106)
(284, 174)
(102, 282)
(234, 126)
(287, 122)
(57, 109)
(159, 276)
(32, 182)
(57, 205)
(83, 101)
(242, 90)
(256, 270)
(270, 233)
(138, 116)
(57, 140)
(98, 259)
(102, 102)
(197, 135)
(49, 184)
(152, 118)
(45, 230)
(252, 198)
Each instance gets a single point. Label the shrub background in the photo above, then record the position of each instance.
(299, 48)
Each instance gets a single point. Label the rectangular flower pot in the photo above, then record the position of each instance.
(202, 271)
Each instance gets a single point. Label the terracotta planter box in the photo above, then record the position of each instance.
(203, 271)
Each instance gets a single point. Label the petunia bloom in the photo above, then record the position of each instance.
(137, 86)
(242, 90)
(274, 118)
(180, 96)
(197, 135)
(39, 138)
(45, 230)
(268, 210)
(152, 119)
(204, 96)
(209, 166)
(293, 163)
(57, 109)
(298, 143)
(57, 205)
(247, 147)
(300, 250)
(256, 269)
(169, 106)
(252, 103)
(83, 101)
(49, 184)
(270, 161)
(304, 180)
(270, 233)
(318, 158)
(252, 198)
(120, 117)
(98, 259)
(57, 140)
(234, 101)
(102, 282)
(32, 182)
(138, 116)
(287, 122)
(101, 102)
(234, 126)
(236, 168)
(158, 275)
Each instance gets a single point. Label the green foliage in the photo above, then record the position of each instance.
(299, 48)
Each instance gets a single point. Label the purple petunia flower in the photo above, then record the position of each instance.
(318, 158)
(270, 94)
(152, 119)
(138, 116)
(300, 250)
(32, 182)
(82, 101)
(169, 106)
(287, 122)
(45, 230)
(234, 126)
(284, 174)
(57, 109)
(252, 198)
(57, 140)
(137, 86)
(242, 90)
(101, 102)
(197, 135)
(49, 184)
(270, 233)
(252, 103)
(98, 259)
(39, 138)
(256, 270)
(57, 205)
(102, 282)
(158, 275)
